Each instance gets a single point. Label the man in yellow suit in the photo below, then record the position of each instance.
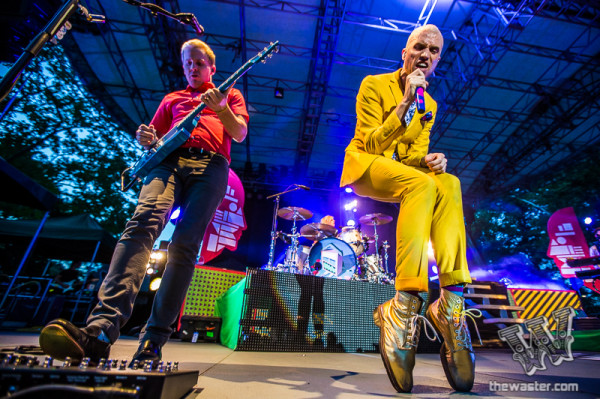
(388, 160)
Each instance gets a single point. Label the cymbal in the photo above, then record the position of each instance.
(371, 219)
(294, 213)
(317, 231)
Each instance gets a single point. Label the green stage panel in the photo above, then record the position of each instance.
(208, 283)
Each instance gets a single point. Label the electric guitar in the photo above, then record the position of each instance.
(180, 133)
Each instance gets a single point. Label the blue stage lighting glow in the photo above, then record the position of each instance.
(350, 223)
(348, 190)
(588, 220)
(175, 214)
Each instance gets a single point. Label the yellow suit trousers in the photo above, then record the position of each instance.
(430, 207)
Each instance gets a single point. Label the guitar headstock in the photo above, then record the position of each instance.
(267, 52)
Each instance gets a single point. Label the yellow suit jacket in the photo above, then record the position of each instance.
(379, 131)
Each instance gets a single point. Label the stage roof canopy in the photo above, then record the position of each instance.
(517, 86)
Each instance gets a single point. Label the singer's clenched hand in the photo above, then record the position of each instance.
(413, 80)
(436, 162)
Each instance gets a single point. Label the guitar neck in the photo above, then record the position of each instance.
(190, 121)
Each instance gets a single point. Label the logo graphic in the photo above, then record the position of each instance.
(228, 222)
(542, 344)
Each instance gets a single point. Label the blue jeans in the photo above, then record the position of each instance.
(197, 184)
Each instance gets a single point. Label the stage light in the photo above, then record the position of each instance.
(278, 92)
(434, 269)
(175, 213)
(588, 220)
(350, 223)
(430, 250)
(156, 263)
(348, 190)
(354, 210)
(154, 284)
(351, 205)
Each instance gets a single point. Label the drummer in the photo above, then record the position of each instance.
(315, 232)
(328, 219)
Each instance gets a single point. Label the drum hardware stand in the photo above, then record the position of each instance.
(386, 245)
(376, 237)
(291, 265)
(274, 224)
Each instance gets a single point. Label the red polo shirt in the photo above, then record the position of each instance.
(210, 133)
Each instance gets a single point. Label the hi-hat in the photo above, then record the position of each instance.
(317, 231)
(371, 219)
(368, 239)
(294, 213)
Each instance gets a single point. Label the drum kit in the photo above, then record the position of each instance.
(342, 254)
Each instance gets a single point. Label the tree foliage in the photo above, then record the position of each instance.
(58, 134)
(517, 222)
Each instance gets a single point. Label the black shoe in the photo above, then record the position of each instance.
(61, 339)
(147, 350)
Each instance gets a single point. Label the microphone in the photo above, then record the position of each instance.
(197, 27)
(420, 99)
(190, 19)
(302, 187)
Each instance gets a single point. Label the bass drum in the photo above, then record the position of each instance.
(332, 257)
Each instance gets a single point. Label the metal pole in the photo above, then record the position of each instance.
(29, 250)
(80, 293)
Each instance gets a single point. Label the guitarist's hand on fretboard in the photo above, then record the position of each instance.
(146, 136)
(215, 100)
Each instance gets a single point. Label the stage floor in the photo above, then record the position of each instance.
(224, 373)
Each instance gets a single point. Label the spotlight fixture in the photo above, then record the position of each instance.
(278, 92)
(175, 214)
(156, 263)
(155, 283)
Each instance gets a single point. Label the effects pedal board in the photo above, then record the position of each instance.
(110, 378)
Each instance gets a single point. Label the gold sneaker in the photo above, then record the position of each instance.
(458, 359)
(399, 337)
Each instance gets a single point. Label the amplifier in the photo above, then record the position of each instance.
(200, 329)
(24, 376)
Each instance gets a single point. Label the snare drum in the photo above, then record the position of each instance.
(297, 260)
(352, 236)
(332, 257)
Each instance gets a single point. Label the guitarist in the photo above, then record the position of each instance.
(194, 177)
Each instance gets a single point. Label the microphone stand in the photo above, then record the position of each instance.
(60, 18)
(274, 224)
(185, 18)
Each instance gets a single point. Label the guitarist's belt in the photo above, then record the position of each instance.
(195, 152)
(186, 152)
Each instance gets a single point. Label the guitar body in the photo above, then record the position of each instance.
(180, 133)
(151, 158)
